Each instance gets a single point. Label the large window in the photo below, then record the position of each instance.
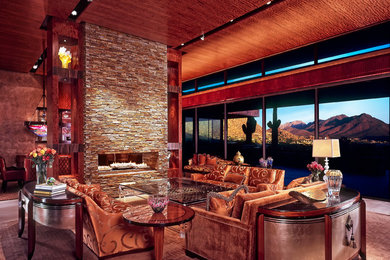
(355, 43)
(358, 115)
(244, 72)
(211, 81)
(244, 131)
(188, 134)
(210, 120)
(290, 128)
(295, 59)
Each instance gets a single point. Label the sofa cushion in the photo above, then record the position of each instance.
(218, 173)
(202, 159)
(199, 168)
(234, 178)
(241, 198)
(119, 206)
(223, 206)
(241, 170)
(103, 200)
(72, 182)
(195, 159)
(261, 175)
(222, 161)
(211, 160)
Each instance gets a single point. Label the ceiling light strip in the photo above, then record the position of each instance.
(231, 22)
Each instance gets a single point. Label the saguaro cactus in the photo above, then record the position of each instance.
(274, 125)
(249, 128)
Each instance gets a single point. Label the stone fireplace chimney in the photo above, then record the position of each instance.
(125, 109)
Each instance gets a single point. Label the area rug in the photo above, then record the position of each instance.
(378, 236)
(12, 191)
(59, 244)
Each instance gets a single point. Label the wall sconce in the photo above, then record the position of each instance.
(325, 148)
(65, 57)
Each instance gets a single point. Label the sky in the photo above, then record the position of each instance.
(376, 107)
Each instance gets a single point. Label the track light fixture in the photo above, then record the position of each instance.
(229, 23)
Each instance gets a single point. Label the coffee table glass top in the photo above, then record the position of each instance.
(180, 190)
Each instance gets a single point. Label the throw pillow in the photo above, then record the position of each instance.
(241, 170)
(234, 178)
(202, 159)
(261, 175)
(218, 173)
(241, 198)
(223, 206)
(103, 200)
(211, 160)
(195, 159)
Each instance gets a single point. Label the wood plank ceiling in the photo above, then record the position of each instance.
(284, 25)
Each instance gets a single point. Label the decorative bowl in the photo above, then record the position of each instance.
(158, 202)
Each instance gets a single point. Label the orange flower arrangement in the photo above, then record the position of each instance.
(42, 155)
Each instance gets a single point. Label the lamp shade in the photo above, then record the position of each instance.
(326, 148)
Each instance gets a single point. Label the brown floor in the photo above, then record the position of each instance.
(378, 230)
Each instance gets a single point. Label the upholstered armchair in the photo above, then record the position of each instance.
(10, 174)
(29, 171)
(104, 230)
(222, 235)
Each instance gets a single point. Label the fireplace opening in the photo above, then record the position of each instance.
(128, 161)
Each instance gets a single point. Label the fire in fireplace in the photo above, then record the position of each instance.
(127, 160)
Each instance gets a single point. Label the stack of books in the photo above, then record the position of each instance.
(50, 190)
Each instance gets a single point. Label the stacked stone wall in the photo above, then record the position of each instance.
(125, 107)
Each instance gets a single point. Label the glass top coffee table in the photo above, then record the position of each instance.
(181, 190)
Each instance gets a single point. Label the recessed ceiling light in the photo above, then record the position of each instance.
(269, 2)
(202, 37)
(231, 20)
(74, 12)
(64, 40)
(182, 44)
(35, 67)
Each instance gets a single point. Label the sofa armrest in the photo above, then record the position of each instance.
(279, 180)
(266, 186)
(197, 177)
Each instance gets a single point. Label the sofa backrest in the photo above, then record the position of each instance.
(251, 207)
(259, 175)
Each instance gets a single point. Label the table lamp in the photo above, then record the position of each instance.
(325, 148)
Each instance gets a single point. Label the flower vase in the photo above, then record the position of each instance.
(41, 173)
(315, 176)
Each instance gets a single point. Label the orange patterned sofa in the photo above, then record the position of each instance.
(229, 232)
(203, 163)
(256, 178)
(104, 230)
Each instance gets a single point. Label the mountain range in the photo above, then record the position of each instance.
(362, 126)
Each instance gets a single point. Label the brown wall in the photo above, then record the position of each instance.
(20, 94)
(125, 96)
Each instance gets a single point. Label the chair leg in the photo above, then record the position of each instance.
(20, 183)
(4, 186)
